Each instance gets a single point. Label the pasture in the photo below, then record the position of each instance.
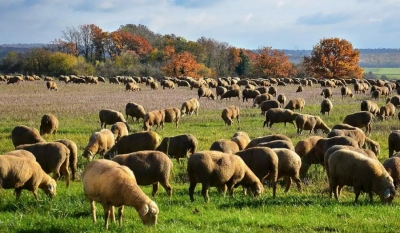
(390, 73)
(77, 107)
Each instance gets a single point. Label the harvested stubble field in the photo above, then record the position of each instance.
(77, 107)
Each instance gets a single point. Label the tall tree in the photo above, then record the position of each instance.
(272, 63)
(243, 66)
(182, 64)
(333, 58)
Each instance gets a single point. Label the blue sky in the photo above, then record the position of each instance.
(281, 24)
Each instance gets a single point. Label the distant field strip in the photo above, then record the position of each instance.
(391, 73)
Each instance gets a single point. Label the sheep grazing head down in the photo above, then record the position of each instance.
(50, 188)
(388, 194)
(149, 214)
(257, 189)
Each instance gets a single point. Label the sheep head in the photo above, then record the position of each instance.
(49, 188)
(149, 213)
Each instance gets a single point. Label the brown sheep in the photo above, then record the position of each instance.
(370, 106)
(168, 84)
(220, 91)
(278, 144)
(110, 117)
(53, 157)
(25, 135)
(392, 166)
(267, 138)
(296, 103)
(189, 107)
(372, 145)
(281, 99)
(360, 119)
(226, 146)
(134, 110)
(231, 93)
(119, 130)
(249, 94)
(299, 89)
(172, 115)
(395, 100)
(149, 167)
(20, 173)
(345, 91)
(111, 184)
(51, 85)
(304, 146)
(326, 106)
(350, 168)
(156, 117)
(394, 142)
(132, 87)
(135, 142)
(15, 79)
(326, 92)
(261, 98)
(289, 164)
(114, 80)
(224, 171)
(99, 143)
(310, 122)
(344, 126)
(22, 154)
(230, 113)
(277, 115)
(263, 162)
(386, 111)
(375, 94)
(268, 104)
(272, 91)
(205, 92)
(153, 85)
(48, 124)
(242, 139)
(180, 146)
(356, 133)
(73, 155)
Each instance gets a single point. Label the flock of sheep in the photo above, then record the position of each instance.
(144, 158)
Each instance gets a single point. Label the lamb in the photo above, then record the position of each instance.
(217, 169)
(249, 94)
(345, 91)
(326, 92)
(230, 113)
(172, 115)
(22, 134)
(242, 139)
(268, 104)
(277, 115)
(156, 117)
(231, 93)
(392, 166)
(263, 162)
(51, 86)
(119, 130)
(135, 142)
(386, 111)
(53, 157)
(73, 155)
(226, 146)
(267, 138)
(220, 91)
(149, 167)
(134, 110)
(357, 134)
(296, 103)
(289, 164)
(310, 122)
(22, 154)
(261, 98)
(360, 119)
(189, 107)
(304, 146)
(326, 106)
(205, 92)
(48, 124)
(281, 99)
(350, 168)
(99, 143)
(394, 142)
(111, 184)
(20, 173)
(370, 106)
(278, 144)
(180, 146)
(108, 116)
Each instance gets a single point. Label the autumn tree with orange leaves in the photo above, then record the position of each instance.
(333, 58)
(272, 63)
(182, 64)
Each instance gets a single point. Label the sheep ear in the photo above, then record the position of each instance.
(144, 210)
(386, 194)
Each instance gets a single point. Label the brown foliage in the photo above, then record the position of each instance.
(183, 64)
(272, 63)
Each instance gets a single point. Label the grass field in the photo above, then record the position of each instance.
(390, 73)
(77, 107)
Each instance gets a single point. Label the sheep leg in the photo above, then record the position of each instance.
(167, 187)
(288, 183)
(93, 208)
(191, 190)
(357, 192)
(155, 189)
(106, 214)
(371, 198)
(204, 191)
(120, 213)
(112, 214)
(64, 170)
(298, 182)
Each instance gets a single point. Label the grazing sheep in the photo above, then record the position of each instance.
(268, 104)
(249, 94)
(372, 145)
(53, 157)
(345, 91)
(370, 106)
(205, 92)
(226, 146)
(134, 110)
(392, 166)
(15, 79)
(299, 89)
(242, 139)
(119, 130)
(231, 93)
(326, 106)
(224, 171)
(180, 146)
(289, 164)
(110, 117)
(277, 115)
(51, 86)
(281, 99)
(296, 103)
(267, 138)
(395, 100)
(304, 146)
(172, 115)
(261, 98)
(376, 94)
(263, 162)
(132, 87)
(272, 91)
(153, 85)
(278, 144)
(22, 154)
(310, 122)
(134, 142)
(156, 117)
(356, 133)
(394, 142)
(113, 80)
(99, 143)
(111, 184)
(167, 84)
(48, 124)
(220, 90)
(386, 111)
(360, 119)
(73, 155)
(25, 135)
(189, 107)
(20, 173)
(149, 167)
(326, 92)
(350, 168)
(230, 113)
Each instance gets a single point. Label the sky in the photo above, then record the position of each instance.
(249, 24)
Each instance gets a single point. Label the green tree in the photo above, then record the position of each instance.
(61, 63)
(244, 66)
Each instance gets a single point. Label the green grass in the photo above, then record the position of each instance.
(390, 73)
(77, 107)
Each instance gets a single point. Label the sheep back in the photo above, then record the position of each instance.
(179, 146)
(25, 135)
